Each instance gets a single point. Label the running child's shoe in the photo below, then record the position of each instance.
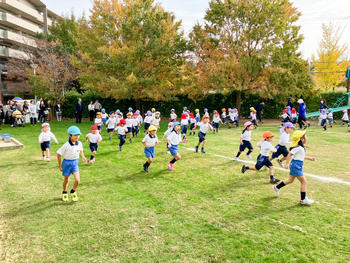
(280, 162)
(306, 201)
(248, 156)
(203, 151)
(171, 166)
(274, 180)
(145, 168)
(236, 159)
(244, 168)
(74, 197)
(277, 191)
(196, 148)
(65, 197)
(48, 159)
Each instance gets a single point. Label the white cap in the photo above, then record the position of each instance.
(300, 101)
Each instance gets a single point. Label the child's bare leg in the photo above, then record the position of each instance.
(65, 183)
(47, 153)
(271, 170)
(204, 142)
(76, 180)
(149, 160)
(177, 157)
(303, 183)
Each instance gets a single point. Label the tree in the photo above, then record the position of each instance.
(250, 47)
(331, 63)
(131, 49)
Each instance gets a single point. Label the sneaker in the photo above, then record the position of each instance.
(196, 148)
(244, 168)
(202, 150)
(306, 201)
(90, 161)
(171, 166)
(48, 159)
(248, 156)
(168, 152)
(74, 197)
(145, 168)
(110, 138)
(65, 198)
(280, 162)
(120, 148)
(44, 158)
(236, 159)
(274, 180)
(277, 191)
(130, 141)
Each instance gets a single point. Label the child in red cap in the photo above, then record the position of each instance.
(122, 130)
(93, 137)
(193, 124)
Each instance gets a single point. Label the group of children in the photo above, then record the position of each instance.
(175, 135)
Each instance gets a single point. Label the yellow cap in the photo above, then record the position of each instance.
(197, 110)
(297, 135)
(252, 109)
(152, 128)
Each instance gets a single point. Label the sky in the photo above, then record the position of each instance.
(314, 13)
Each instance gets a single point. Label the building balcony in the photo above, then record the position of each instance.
(14, 38)
(26, 11)
(18, 23)
(12, 53)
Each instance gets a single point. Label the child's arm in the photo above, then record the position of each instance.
(83, 157)
(211, 127)
(289, 157)
(310, 158)
(86, 139)
(169, 143)
(144, 144)
(241, 140)
(59, 162)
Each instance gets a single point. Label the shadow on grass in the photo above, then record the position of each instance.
(38, 207)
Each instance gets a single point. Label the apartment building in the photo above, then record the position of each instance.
(20, 22)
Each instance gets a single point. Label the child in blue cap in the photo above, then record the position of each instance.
(173, 139)
(70, 164)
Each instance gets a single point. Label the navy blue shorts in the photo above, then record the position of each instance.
(135, 129)
(192, 126)
(263, 161)
(147, 125)
(323, 122)
(99, 127)
(129, 129)
(216, 125)
(280, 150)
(201, 136)
(224, 120)
(45, 145)
(184, 129)
(246, 144)
(110, 130)
(93, 146)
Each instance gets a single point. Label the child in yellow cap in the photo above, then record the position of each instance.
(263, 158)
(149, 142)
(295, 161)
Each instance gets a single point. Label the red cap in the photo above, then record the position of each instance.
(122, 121)
(294, 110)
(94, 127)
(285, 111)
(191, 115)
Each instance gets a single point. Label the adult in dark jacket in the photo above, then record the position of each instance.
(259, 108)
(302, 115)
(323, 105)
(78, 111)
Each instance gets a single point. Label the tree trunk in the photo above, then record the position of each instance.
(138, 104)
(347, 85)
(238, 101)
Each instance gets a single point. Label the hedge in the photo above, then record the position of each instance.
(272, 109)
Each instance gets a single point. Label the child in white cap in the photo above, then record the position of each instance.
(45, 140)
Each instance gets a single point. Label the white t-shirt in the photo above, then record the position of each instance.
(184, 122)
(98, 121)
(204, 127)
(330, 115)
(206, 113)
(121, 130)
(294, 115)
(246, 136)
(32, 110)
(104, 115)
(193, 120)
(148, 119)
(94, 138)
(284, 139)
(198, 116)
(129, 123)
(156, 121)
(345, 117)
(140, 119)
(232, 116)
(174, 138)
(284, 115)
(253, 116)
(216, 118)
(69, 151)
(168, 131)
(111, 122)
(135, 122)
(266, 148)
(323, 116)
(150, 141)
(173, 116)
(223, 115)
(298, 153)
(46, 137)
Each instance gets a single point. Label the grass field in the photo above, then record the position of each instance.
(205, 211)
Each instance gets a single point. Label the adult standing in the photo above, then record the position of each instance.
(42, 110)
(2, 115)
(58, 110)
(38, 108)
(323, 105)
(98, 106)
(302, 115)
(49, 109)
(25, 111)
(259, 108)
(33, 113)
(78, 111)
(91, 109)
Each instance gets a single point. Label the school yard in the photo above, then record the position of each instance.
(205, 211)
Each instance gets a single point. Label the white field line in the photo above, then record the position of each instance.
(318, 177)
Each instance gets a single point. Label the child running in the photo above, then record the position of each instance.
(223, 116)
(173, 115)
(193, 124)
(167, 133)
(111, 124)
(98, 121)
(263, 158)
(184, 124)
(149, 142)
(173, 140)
(198, 116)
(156, 120)
(135, 124)
(283, 143)
(323, 117)
(330, 118)
(235, 117)
(204, 127)
(45, 140)
(104, 116)
(253, 116)
(294, 116)
(345, 118)
(216, 121)
(297, 155)
(70, 165)
(121, 133)
(245, 139)
(129, 125)
(148, 121)
(93, 137)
